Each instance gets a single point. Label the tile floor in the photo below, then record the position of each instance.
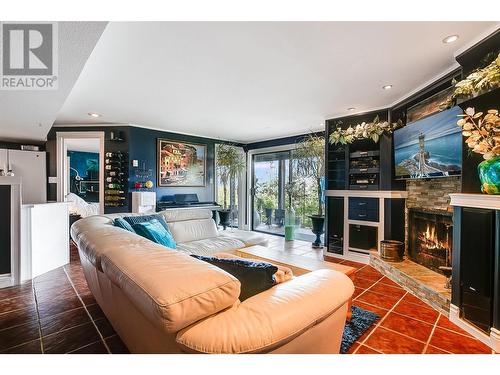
(56, 313)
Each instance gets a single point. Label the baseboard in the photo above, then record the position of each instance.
(6, 281)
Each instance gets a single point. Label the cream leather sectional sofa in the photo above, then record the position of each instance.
(161, 300)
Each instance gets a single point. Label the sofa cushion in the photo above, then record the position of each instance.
(193, 230)
(153, 230)
(210, 246)
(176, 214)
(144, 218)
(172, 290)
(255, 277)
(247, 237)
(121, 223)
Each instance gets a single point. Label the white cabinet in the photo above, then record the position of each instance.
(31, 166)
(44, 238)
(3, 160)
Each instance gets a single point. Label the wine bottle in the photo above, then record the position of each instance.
(110, 167)
(114, 186)
(113, 162)
(114, 198)
(114, 192)
(115, 173)
(116, 180)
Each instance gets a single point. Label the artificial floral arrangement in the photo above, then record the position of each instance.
(480, 80)
(366, 130)
(482, 132)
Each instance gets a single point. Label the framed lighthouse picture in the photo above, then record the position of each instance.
(181, 163)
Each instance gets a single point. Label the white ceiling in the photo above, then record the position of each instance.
(250, 81)
(83, 144)
(29, 115)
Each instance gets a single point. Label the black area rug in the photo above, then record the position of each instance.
(361, 320)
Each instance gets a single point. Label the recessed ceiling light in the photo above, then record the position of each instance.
(351, 109)
(450, 39)
(93, 114)
(387, 87)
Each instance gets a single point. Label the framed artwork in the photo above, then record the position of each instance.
(428, 106)
(181, 163)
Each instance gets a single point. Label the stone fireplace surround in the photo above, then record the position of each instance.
(432, 196)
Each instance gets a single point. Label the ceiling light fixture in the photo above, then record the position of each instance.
(450, 39)
(351, 109)
(387, 87)
(93, 114)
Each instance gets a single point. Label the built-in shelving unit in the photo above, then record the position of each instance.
(363, 199)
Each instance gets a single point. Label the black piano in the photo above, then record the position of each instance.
(184, 201)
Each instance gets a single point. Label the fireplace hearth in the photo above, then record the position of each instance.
(430, 238)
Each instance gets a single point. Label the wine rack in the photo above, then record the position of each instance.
(116, 179)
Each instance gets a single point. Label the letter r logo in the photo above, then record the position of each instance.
(27, 49)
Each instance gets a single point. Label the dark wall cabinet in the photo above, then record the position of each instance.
(476, 266)
(5, 224)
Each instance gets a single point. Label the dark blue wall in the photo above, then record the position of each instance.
(142, 147)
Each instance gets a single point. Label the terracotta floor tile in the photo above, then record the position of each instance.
(357, 292)
(386, 302)
(408, 326)
(23, 301)
(105, 327)
(444, 322)
(363, 283)
(377, 310)
(353, 348)
(366, 350)
(18, 335)
(95, 311)
(32, 347)
(385, 280)
(425, 314)
(387, 290)
(417, 301)
(433, 350)
(116, 345)
(369, 276)
(389, 342)
(16, 291)
(333, 259)
(367, 269)
(48, 308)
(64, 320)
(70, 339)
(353, 264)
(94, 348)
(456, 343)
(18, 317)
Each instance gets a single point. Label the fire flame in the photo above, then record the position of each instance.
(430, 239)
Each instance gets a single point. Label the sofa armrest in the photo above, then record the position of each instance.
(271, 318)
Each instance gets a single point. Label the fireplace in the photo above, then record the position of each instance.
(430, 238)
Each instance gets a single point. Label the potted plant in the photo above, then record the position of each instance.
(483, 137)
(310, 157)
(229, 163)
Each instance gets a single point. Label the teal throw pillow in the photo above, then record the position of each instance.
(153, 230)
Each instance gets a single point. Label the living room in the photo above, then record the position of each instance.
(249, 187)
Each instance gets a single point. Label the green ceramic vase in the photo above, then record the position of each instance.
(489, 175)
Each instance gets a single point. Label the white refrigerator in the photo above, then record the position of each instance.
(31, 166)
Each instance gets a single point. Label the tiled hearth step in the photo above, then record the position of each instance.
(418, 280)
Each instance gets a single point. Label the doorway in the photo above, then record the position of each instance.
(80, 171)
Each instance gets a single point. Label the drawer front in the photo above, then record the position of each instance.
(363, 203)
(364, 215)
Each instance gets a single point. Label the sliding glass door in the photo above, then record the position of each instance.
(275, 188)
(270, 177)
